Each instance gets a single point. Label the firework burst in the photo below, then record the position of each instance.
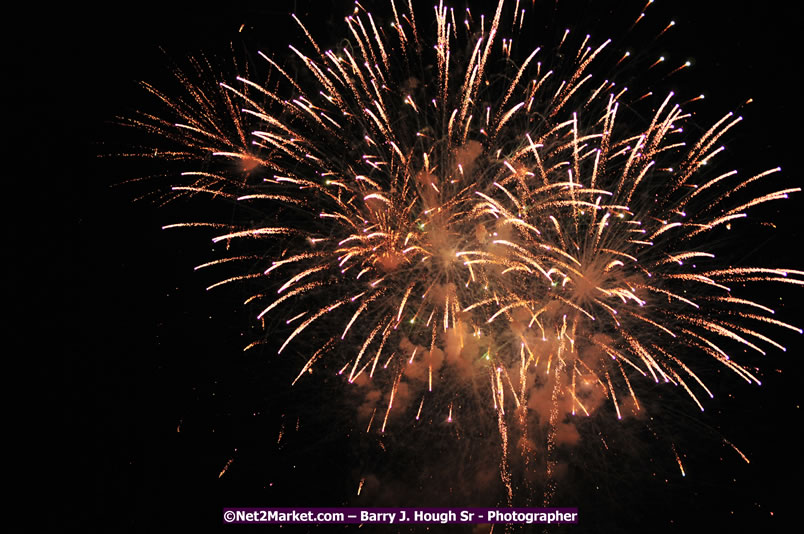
(450, 216)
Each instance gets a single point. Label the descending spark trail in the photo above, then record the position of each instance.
(477, 222)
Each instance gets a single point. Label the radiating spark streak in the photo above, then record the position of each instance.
(738, 451)
(309, 365)
(628, 383)
(678, 459)
(360, 310)
(679, 258)
(770, 320)
(366, 343)
(212, 192)
(307, 323)
(744, 301)
(194, 225)
(303, 274)
(256, 232)
(287, 296)
(391, 402)
(233, 279)
(226, 467)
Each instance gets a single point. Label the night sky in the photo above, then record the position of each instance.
(133, 391)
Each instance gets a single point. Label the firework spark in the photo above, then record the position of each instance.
(430, 215)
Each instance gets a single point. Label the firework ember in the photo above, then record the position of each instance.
(448, 215)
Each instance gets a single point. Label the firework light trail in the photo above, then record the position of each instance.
(446, 210)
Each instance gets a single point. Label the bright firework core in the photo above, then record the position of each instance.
(446, 210)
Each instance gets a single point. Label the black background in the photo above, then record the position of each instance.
(115, 344)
